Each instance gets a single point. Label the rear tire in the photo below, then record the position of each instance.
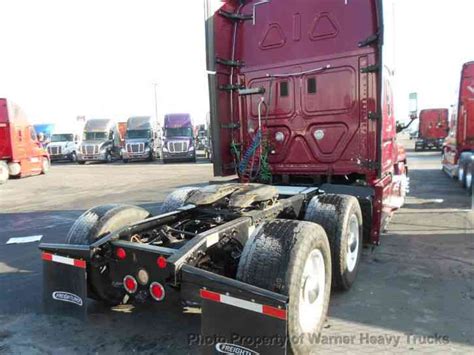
(81, 162)
(90, 227)
(152, 156)
(177, 199)
(125, 161)
(341, 218)
(468, 177)
(292, 258)
(4, 174)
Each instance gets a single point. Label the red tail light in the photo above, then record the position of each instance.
(161, 262)
(130, 284)
(157, 291)
(120, 253)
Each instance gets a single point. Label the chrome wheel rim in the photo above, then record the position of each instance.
(469, 179)
(352, 251)
(3, 172)
(313, 290)
(461, 173)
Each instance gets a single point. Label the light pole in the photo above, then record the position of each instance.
(155, 88)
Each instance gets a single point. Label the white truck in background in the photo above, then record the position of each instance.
(65, 142)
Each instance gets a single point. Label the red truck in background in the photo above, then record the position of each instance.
(21, 154)
(458, 151)
(433, 129)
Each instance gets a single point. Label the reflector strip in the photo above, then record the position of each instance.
(240, 303)
(63, 260)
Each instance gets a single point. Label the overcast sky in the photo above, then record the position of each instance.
(61, 59)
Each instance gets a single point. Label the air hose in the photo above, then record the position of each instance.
(250, 152)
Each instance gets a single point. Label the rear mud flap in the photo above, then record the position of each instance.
(238, 318)
(64, 286)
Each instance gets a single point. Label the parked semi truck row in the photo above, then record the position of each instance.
(433, 129)
(302, 112)
(458, 151)
(142, 139)
(21, 154)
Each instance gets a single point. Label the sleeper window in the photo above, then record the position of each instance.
(284, 89)
(312, 86)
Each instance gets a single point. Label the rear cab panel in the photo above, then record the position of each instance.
(433, 128)
(332, 103)
(433, 124)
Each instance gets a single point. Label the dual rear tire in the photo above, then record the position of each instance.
(292, 258)
(304, 259)
(341, 218)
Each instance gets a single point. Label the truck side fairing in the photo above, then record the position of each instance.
(461, 136)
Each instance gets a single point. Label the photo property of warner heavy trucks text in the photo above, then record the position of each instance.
(302, 111)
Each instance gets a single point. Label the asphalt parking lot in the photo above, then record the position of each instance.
(414, 292)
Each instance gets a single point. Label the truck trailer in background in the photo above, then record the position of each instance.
(458, 151)
(142, 139)
(178, 138)
(433, 129)
(100, 141)
(302, 112)
(21, 154)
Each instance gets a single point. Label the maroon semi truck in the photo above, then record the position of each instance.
(304, 128)
(433, 129)
(458, 151)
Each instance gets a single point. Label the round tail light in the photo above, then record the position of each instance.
(120, 253)
(130, 284)
(161, 262)
(157, 291)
